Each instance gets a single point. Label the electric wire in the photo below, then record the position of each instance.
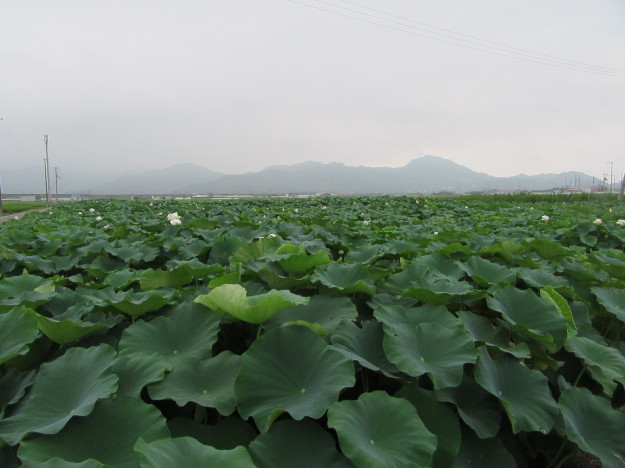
(598, 67)
(465, 44)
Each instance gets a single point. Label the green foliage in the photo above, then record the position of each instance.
(339, 332)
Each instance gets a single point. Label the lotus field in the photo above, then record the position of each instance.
(329, 332)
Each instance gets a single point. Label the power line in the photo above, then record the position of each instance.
(464, 43)
(484, 40)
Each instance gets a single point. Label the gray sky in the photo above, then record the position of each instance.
(237, 85)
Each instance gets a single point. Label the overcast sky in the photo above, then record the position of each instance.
(237, 85)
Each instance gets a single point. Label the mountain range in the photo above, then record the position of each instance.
(426, 174)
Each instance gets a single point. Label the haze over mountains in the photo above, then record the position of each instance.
(423, 175)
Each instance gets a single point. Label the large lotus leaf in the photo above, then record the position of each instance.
(364, 345)
(524, 393)
(121, 279)
(153, 279)
(302, 444)
(101, 266)
(440, 264)
(193, 249)
(614, 266)
(327, 311)
(482, 329)
(346, 278)
(195, 267)
(107, 435)
(531, 316)
(548, 249)
(67, 330)
(398, 315)
(380, 431)
(18, 328)
(486, 273)
(225, 435)
(188, 334)
(13, 385)
(233, 299)
(186, 452)
(135, 371)
(208, 383)
(133, 252)
(60, 463)
(66, 387)
(609, 360)
(430, 348)
(439, 419)
(137, 304)
(594, 426)
(613, 300)
(255, 250)
(223, 248)
(549, 294)
(25, 289)
(427, 285)
(303, 262)
(290, 369)
(273, 275)
(364, 254)
(484, 453)
(476, 407)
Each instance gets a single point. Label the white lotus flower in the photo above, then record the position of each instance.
(175, 221)
(16, 217)
(296, 210)
(621, 222)
(436, 233)
(172, 216)
(91, 210)
(544, 218)
(597, 221)
(98, 218)
(366, 222)
(80, 212)
(272, 235)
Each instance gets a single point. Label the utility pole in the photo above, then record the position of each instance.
(611, 163)
(1, 118)
(56, 182)
(47, 171)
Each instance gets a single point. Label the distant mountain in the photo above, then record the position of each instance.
(168, 180)
(423, 175)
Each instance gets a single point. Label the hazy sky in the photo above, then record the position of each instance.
(237, 85)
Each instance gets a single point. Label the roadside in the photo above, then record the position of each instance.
(12, 216)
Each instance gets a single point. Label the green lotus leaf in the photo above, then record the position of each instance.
(135, 371)
(303, 262)
(28, 290)
(233, 299)
(327, 311)
(186, 452)
(133, 252)
(137, 304)
(549, 294)
(153, 279)
(291, 370)
(67, 330)
(363, 255)
(613, 300)
(476, 407)
(439, 419)
(208, 383)
(66, 387)
(399, 315)
(224, 248)
(613, 266)
(594, 426)
(13, 385)
(427, 285)
(302, 444)
(107, 435)
(430, 348)
(364, 345)
(121, 279)
(531, 316)
(380, 431)
(193, 249)
(439, 263)
(524, 393)
(487, 273)
(60, 463)
(609, 360)
(548, 249)
(486, 453)
(482, 329)
(255, 250)
(347, 278)
(188, 334)
(225, 435)
(18, 328)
